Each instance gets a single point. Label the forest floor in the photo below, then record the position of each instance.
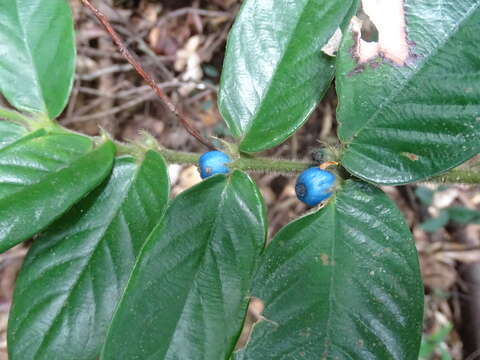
(181, 42)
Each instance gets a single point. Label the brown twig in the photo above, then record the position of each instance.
(112, 111)
(193, 10)
(146, 76)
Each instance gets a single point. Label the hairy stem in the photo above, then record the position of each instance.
(457, 176)
(263, 164)
(271, 165)
(244, 163)
(179, 157)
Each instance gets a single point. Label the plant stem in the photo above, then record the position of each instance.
(271, 165)
(283, 166)
(179, 157)
(13, 115)
(457, 176)
(244, 163)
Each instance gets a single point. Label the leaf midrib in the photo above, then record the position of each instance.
(201, 262)
(281, 60)
(114, 215)
(326, 344)
(8, 135)
(49, 174)
(21, 139)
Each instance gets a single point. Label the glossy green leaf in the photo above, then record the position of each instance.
(189, 290)
(275, 72)
(75, 273)
(37, 54)
(10, 132)
(402, 123)
(340, 283)
(42, 176)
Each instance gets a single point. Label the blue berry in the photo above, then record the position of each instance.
(314, 185)
(213, 163)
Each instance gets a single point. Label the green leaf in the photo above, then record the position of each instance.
(37, 54)
(340, 283)
(42, 176)
(436, 223)
(463, 215)
(403, 123)
(275, 72)
(10, 132)
(75, 273)
(188, 293)
(425, 195)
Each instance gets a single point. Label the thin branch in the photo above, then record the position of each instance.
(142, 94)
(118, 95)
(96, 102)
(104, 71)
(146, 76)
(192, 10)
(129, 104)
(143, 46)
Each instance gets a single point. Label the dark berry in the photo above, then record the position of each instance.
(314, 185)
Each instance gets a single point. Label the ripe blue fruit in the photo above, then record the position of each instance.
(213, 163)
(314, 185)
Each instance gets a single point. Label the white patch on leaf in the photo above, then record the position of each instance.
(389, 18)
(332, 46)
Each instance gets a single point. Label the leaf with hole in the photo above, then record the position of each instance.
(406, 122)
(340, 283)
(37, 54)
(42, 175)
(75, 273)
(275, 71)
(189, 291)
